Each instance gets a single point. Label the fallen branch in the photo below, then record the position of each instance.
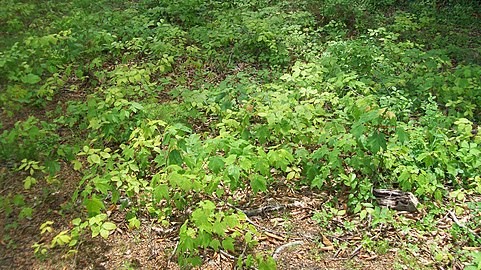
(262, 210)
(281, 248)
(232, 257)
(356, 251)
(456, 220)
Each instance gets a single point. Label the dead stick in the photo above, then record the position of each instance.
(456, 220)
(173, 252)
(281, 248)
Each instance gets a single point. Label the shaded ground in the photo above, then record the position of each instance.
(328, 246)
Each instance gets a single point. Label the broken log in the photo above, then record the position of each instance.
(396, 199)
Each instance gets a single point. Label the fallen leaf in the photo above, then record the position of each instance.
(326, 241)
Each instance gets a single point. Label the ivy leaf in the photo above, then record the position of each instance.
(377, 141)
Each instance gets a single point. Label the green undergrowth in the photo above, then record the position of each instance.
(167, 109)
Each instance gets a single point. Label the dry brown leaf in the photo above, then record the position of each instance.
(326, 241)
(327, 248)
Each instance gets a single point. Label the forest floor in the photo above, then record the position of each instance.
(286, 79)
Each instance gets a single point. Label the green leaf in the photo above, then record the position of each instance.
(134, 222)
(26, 212)
(94, 158)
(28, 182)
(161, 192)
(76, 222)
(101, 184)
(228, 244)
(76, 165)
(402, 135)
(31, 78)
(104, 233)
(215, 244)
(377, 141)
(109, 226)
(216, 164)
(258, 183)
(263, 134)
(94, 206)
(358, 129)
(175, 157)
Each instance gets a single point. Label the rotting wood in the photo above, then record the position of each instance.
(396, 199)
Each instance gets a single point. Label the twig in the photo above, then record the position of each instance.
(301, 236)
(356, 251)
(281, 248)
(456, 220)
(232, 257)
(173, 252)
(75, 257)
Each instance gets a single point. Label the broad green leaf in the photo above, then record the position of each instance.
(104, 233)
(175, 157)
(94, 206)
(228, 244)
(76, 165)
(258, 183)
(94, 158)
(109, 226)
(76, 221)
(31, 78)
(377, 140)
(216, 164)
(28, 182)
(101, 184)
(26, 212)
(215, 244)
(161, 192)
(134, 222)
